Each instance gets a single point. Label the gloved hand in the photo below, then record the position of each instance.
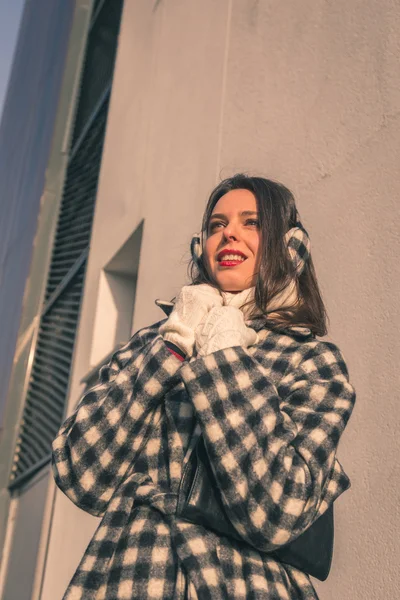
(223, 327)
(192, 304)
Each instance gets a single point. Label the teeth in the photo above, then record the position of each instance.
(232, 257)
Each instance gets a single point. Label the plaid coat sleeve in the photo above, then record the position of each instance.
(273, 449)
(99, 442)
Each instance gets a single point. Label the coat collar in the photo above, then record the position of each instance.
(256, 324)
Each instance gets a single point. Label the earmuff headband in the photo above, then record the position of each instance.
(297, 242)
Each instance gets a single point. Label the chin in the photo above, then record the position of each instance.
(231, 286)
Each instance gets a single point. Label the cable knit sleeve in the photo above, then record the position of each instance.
(273, 449)
(100, 441)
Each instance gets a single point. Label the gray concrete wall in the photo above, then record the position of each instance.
(26, 130)
(307, 93)
(33, 157)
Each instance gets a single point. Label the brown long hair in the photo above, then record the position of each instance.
(277, 214)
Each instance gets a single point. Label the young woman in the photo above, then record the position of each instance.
(238, 362)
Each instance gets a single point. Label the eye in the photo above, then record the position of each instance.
(253, 222)
(214, 225)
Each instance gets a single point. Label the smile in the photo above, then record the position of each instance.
(230, 260)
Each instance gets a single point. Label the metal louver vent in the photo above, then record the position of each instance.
(78, 203)
(99, 60)
(51, 365)
(48, 383)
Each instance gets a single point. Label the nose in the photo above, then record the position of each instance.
(231, 232)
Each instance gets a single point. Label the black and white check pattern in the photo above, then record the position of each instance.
(272, 416)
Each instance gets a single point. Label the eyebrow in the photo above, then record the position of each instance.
(244, 213)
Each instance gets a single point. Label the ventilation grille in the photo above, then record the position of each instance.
(49, 378)
(48, 383)
(78, 203)
(99, 61)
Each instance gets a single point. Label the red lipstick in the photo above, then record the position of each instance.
(231, 259)
(230, 251)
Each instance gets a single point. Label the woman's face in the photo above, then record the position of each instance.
(233, 239)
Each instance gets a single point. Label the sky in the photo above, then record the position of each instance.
(10, 18)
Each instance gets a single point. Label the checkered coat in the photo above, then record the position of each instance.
(271, 415)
